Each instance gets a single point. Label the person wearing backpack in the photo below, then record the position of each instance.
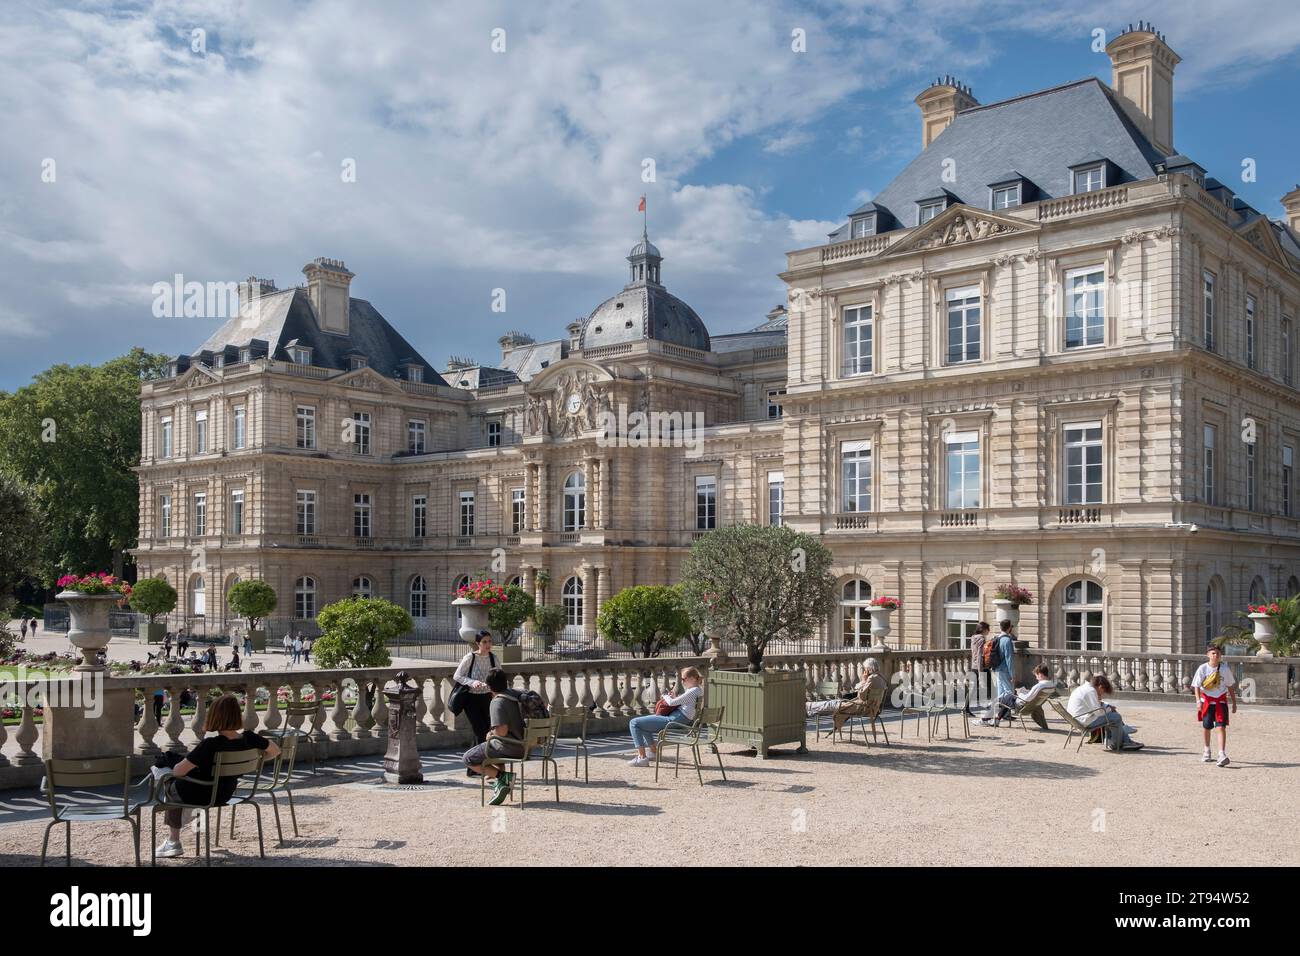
(669, 710)
(999, 657)
(471, 694)
(504, 738)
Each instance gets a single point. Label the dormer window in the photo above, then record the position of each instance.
(1089, 179)
(245, 355)
(358, 361)
(1006, 197)
(299, 355)
(928, 210)
(863, 226)
(415, 373)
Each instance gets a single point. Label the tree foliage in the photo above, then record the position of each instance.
(548, 619)
(252, 600)
(19, 535)
(73, 437)
(153, 596)
(647, 618)
(355, 632)
(506, 617)
(757, 583)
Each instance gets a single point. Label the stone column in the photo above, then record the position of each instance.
(602, 587)
(530, 497)
(607, 493)
(593, 491)
(589, 575)
(540, 521)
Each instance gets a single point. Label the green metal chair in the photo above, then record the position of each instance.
(310, 712)
(826, 690)
(704, 731)
(1075, 724)
(81, 775)
(866, 713)
(230, 763)
(1034, 705)
(575, 716)
(280, 779)
(539, 736)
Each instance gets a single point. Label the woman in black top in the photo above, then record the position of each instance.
(226, 719)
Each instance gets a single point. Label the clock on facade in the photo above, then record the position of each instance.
(574, 403)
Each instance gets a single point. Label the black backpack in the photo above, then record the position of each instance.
(531, 705)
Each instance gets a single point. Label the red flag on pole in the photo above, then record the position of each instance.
(641, 206)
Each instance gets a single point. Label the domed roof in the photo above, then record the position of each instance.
(644, 309)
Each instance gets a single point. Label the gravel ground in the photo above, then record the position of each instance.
(913, 803)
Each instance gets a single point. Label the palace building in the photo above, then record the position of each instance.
(1053, 351)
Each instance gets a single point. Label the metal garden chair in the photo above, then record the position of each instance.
(230, 763)
(80, 775)
(539, 735)
(280, 779)
(575, 716)
(704, 731)
(1075, 724)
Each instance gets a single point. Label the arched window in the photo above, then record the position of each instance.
(1293, 587)
(419, 597)
(1083, 604)
(304, 598)
(961, 612)
(571, 599)
(363, 587)
(1257, 591)
(230, 583)
(517, 581)
(855, 613)
(1213, 609)
(575, 501)
(198, 596)
(459, 583)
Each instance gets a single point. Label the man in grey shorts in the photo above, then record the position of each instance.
(504, 738)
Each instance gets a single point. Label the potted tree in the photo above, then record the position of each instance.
(475, 601)
(647, 619)
(758, 583)
(152, 597)
(355, 632)
(548, 620)
(254, 601)
(506, 617)
(89, 598)
(1008, 599)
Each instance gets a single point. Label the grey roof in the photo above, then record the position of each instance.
(278, 318)
(527, 361)
(741, 341)
(644, 311)
(1041, 135)
(479, 376)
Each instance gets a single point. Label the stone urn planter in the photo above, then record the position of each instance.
(880, 628)
(761, 710)
(88, 627)
(473, 618)
(1265, 631)
(1006, 610)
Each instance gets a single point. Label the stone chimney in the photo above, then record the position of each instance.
(1142, 73)
(1291, 203)
(253, 288)
(940, 103)
(328, 285)
(575, 334)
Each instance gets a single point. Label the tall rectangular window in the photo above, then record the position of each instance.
(706, 502)
(1288, 454)
(236, 522)
(239, 428)
(857, 340)
(775, 497)
(1286, 350)
(306, 512)
(306, 426)
(494, 434)
(774, 399)
(361, 433)
(165, 516)
(415, 430)
(1083, 465)
(963, 325)
(466, 514)
(1207, 309)
(1209, 443)
(962, 451)
(419, 515)
(200, 432)
(516, 510)
(1250, 331)
(361, 516)
(165, 439)
(1085, 307)
(855, 475)
(1252, 476)
(200, 513)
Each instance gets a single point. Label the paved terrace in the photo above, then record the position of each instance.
(1005, 797)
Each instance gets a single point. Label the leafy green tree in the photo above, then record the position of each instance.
(696, 636)
(1286, 624)
(73, 438)
(549, 620)
(506, 617)
(758, 583)
(355, 632)
(19, 535)
(645, 618)
(153, 596)
(252, 600)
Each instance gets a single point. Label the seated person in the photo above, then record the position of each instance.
(1086, 706)
(504, 737)
(680, 709)
(854, 704)
(1009, 704)
(226, 718)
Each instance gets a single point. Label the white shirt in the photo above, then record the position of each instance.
(687, 701)
(1226, 680)
(1082, 700)
(1042, 685)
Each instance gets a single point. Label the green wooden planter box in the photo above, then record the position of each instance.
(761, 710)
(511, 654)
(152, 633)
(258, 636)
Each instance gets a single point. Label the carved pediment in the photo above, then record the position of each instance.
(196, 375)
(1260, 235)
(567, 398)
(957, 225)
(367, 378)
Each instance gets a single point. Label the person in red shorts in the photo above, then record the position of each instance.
(1215, 687)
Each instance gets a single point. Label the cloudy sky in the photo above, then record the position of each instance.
(212, 139)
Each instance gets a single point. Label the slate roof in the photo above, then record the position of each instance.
(479, 376)
(1039, 135)
(527, 361)
(644, 311)
(279, 318)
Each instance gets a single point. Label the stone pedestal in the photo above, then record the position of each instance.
(402, 761)
(1268, 679)
(84, 720)
(716, 655)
